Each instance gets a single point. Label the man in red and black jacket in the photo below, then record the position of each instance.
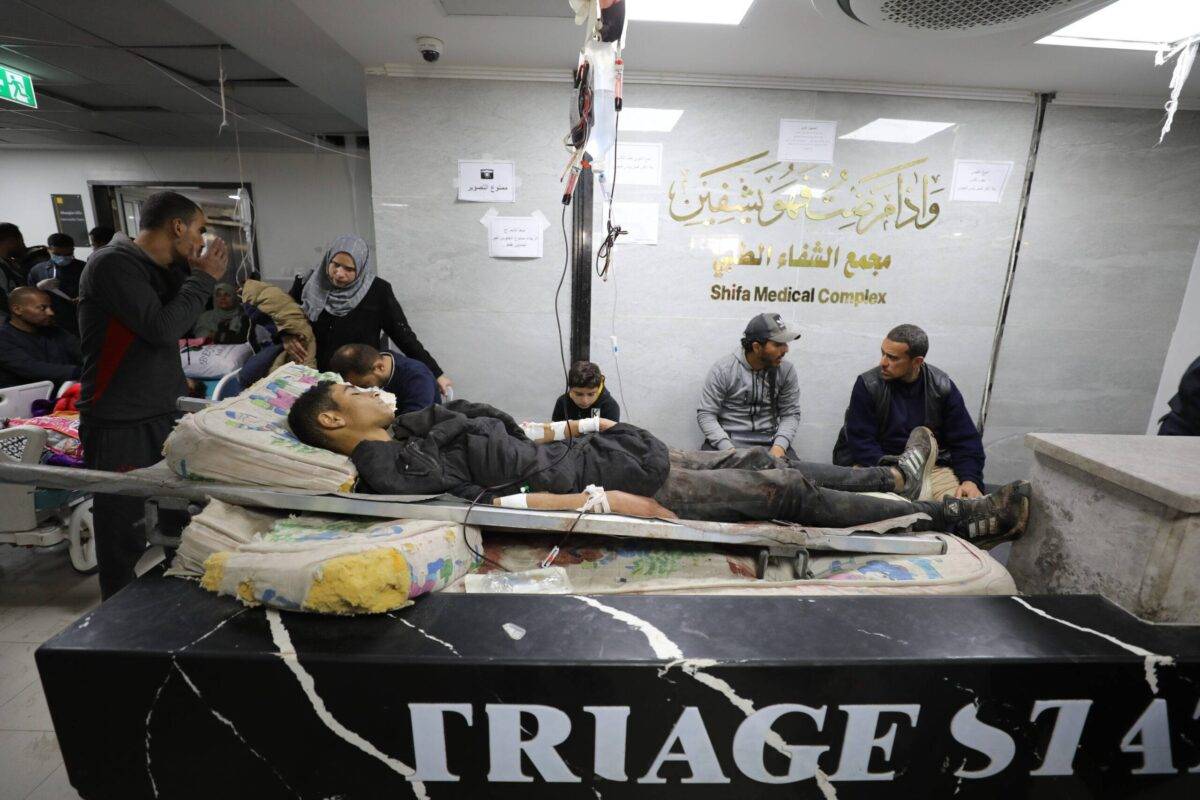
(134, 308)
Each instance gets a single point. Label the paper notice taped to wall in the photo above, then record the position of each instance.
(514, 237)
(487, 181)
(638, 164)
(806, 140)
(979, 181)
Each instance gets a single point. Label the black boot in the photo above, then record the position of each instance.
(989, 520)
(916, 464)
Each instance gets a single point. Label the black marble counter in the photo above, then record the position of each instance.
(168, 691)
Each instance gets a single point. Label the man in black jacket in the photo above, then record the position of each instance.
(902, 393)
(16, 259)
(66, 270)
(134, 309)
(32, 347)
(1184, 417)
(480, 454)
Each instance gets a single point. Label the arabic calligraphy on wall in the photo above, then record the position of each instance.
(745, 194)
(820, 258)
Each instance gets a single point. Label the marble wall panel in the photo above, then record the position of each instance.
(490, 322)
(1111, 232)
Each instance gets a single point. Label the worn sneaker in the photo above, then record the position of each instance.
(916, 464)
(989, 520)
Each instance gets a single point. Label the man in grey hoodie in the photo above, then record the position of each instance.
(752, 399)
(752, 396)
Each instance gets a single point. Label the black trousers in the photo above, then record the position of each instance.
(120, 534)
(733, 486)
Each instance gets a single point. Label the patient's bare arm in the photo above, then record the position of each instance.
(632, 505)
(543, 432)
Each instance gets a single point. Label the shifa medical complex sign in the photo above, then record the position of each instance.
(858, 213)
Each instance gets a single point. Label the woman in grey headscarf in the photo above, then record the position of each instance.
(225, 322)
(348, 304)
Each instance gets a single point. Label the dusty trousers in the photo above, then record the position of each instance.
(733, 486)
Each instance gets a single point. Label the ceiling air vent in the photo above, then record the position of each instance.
(942, 18)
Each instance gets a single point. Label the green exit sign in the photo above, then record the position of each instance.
(16, 87)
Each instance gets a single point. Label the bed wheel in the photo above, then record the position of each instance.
(760, 563)
(81, 539)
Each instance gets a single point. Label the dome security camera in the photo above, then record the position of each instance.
(430, 47)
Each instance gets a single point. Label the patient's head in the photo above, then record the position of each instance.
(338, 416)
(362, 365)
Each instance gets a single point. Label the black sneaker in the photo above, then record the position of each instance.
(916, 464)
(989, 520)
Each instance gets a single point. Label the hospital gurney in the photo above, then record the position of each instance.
(779, 540)
(46, 515)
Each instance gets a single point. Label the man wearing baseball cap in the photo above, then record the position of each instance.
(752, 396)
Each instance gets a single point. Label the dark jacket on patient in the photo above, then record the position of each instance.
(473, 450)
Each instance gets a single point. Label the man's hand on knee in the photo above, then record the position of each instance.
(967, 489)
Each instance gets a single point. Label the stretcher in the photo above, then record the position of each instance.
(776, 538)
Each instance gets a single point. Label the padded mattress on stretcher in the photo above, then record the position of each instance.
(596, 565)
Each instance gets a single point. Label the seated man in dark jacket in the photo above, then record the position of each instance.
(901, 394)
(32, 347)
(480, 454)
(1184, 417)
(413, 384)
(66, 270)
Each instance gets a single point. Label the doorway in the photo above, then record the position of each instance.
(229, 208)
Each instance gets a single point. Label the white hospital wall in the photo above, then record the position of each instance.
(1111, 236)
(1184, 349)
(302, 199)
(490, 322)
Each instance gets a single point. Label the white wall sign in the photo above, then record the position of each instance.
(515, 237)
(638, 164)
(808, 140)
(979, 181)
(640, 219)
(487, 181)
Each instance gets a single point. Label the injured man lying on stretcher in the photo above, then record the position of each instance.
(481, 454)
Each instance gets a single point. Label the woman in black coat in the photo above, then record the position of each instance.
(347, 304)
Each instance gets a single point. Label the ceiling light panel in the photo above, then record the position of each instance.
(708, 12)
(902, 131)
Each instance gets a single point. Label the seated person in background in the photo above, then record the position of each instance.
(480, 454)
(1184, 417)
(900, 394)
(100, 236)
(32, 347)
(408, 379)
(752, 396)
(585, 396)
(225, 322)
(278, 330)
(66, 269)
(15, 260)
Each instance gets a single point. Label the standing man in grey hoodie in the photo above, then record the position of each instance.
(752, 396)
(135, 306)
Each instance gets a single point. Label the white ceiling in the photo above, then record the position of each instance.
(95, 87)
(778, 38)
(297, 65)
